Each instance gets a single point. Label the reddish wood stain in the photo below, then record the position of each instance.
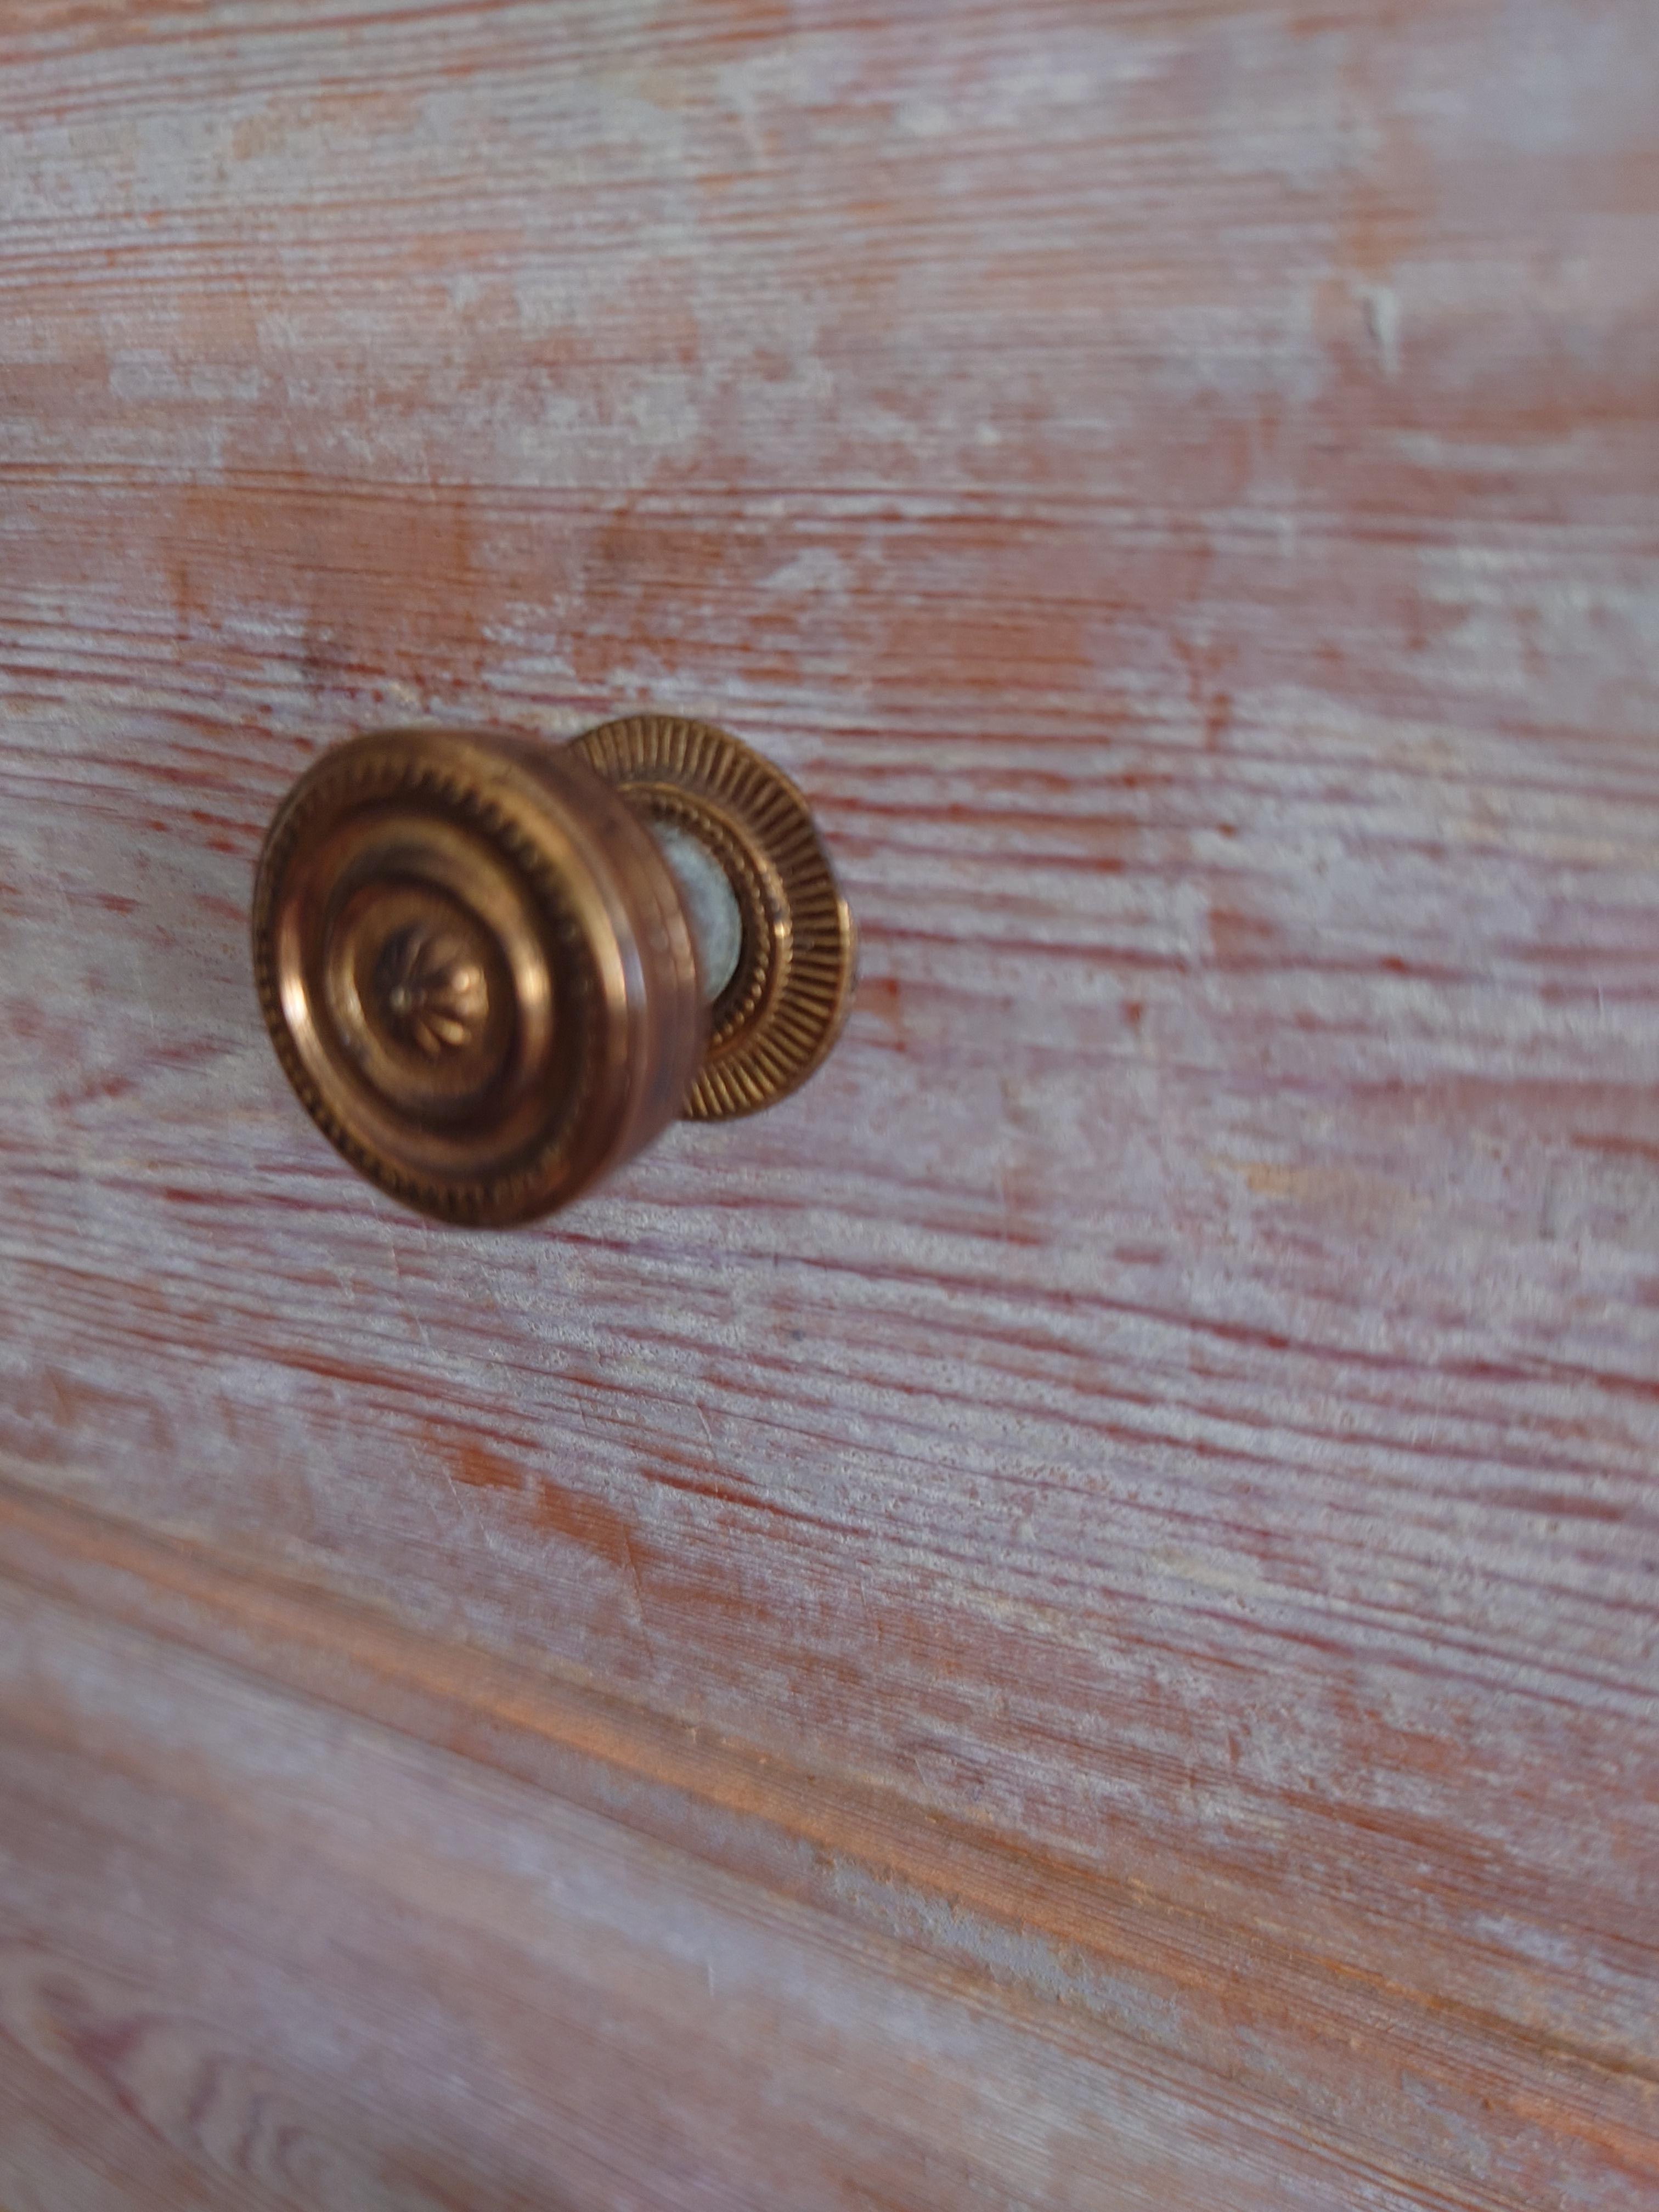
(1069, 1618)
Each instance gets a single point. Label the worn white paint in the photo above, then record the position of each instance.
(1178, 1389)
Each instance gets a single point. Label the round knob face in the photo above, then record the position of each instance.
(476, 969)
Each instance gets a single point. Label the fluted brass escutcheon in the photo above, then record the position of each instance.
(494, 968)
(783, 1005)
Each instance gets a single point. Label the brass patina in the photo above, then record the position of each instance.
(482, 975)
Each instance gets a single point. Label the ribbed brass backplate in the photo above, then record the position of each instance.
(784, 1004)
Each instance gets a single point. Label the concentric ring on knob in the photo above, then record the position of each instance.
(475, 970)
(782, 1009)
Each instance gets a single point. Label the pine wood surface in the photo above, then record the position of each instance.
(1129, 1502)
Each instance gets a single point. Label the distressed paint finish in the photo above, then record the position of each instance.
(437, 1989)
(1145, 1467)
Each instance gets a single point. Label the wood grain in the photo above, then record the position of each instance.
(1259, 2035)
(1176, 1396)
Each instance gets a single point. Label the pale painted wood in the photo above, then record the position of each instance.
(1251, 2033)
(263, 1954)
(1177, 485)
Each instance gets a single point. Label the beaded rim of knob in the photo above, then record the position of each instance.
(784, 1006)
(475, 970)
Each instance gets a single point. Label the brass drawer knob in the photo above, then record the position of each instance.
(494, 969)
